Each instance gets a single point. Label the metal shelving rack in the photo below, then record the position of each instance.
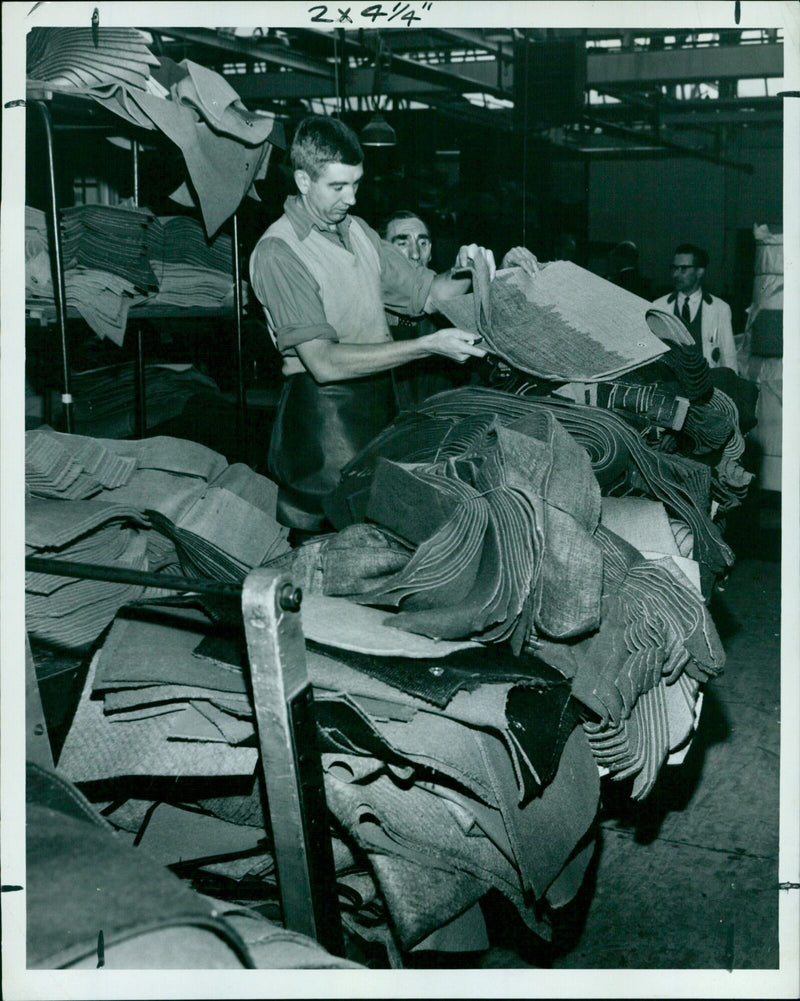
(43, 101)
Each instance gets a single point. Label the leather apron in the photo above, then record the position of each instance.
(318, 430)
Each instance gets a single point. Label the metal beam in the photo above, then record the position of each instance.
(684, 65)
(473, 38)
(262, 51)
(301, 86)
(702, 119)
(662, 140)
(448, 79)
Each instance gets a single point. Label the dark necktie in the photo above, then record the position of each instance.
(686, 315)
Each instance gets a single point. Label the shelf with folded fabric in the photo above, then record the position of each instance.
(46, 315)
(80, 111)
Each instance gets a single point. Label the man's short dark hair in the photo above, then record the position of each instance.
(383, 229)
(320, 140)
(699, 256)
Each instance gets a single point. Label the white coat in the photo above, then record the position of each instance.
(719, 348)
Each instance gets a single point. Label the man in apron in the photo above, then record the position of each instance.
(323, 278)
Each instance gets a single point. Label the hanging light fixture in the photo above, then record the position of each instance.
(377, 131)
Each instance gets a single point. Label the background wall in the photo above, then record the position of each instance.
(661, 203)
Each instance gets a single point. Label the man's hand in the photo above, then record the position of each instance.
(521, 257)
(450, 342)
(469, 253)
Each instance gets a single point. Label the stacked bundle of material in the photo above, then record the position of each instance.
(155, 262)
(77, 58)
(193, 271)
(226, 148)
(103, 396)
(101, 297)
(634, 625)
(68, 467)
(72, 613)
(134, 235)
(140, 487)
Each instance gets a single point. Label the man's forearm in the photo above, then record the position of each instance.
(330, 361)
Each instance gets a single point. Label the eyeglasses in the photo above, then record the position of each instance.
(683, 267)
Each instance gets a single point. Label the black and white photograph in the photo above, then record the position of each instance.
(399, 529)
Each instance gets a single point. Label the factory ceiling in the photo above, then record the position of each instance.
(677, 92)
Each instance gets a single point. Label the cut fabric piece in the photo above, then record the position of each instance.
(564, 323)
(96, 749)
(681, 484)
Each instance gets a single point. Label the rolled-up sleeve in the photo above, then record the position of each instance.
(290, 294)
(406, 286)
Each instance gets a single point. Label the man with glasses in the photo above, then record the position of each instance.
(707, 318)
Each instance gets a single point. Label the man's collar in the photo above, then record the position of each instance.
(705, 295)
(303, 222)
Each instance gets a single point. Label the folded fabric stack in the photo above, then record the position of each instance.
(101, 297)
(72, 613)
(155, 262)
(86, 57)
(180, 487)
(119, 239)
(226, 148)
(103, 396)
(193, 271)
(68, 467)
(563, 324)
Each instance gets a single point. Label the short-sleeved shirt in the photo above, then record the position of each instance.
(283, 283)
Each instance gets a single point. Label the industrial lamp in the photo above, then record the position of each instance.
(377, 131)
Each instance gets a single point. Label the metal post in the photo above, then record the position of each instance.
(57, 266)
(140, 387)
(241, 399)
(283, 705)
(135, 148)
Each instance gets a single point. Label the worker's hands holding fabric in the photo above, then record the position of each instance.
(450, 342)
(521, 257)
(469, 254)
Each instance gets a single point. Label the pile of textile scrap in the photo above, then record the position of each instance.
(226, 148)
(157, 262)
(109, 502)
(440, 788)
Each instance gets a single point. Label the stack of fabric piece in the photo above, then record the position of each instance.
(226, 148)
(101, 296)
(443, 781)
(193, 272)
(102, 405)
(85, 57)
(133, 504)
(133, 235)
(621, 461)
(155, 262)
(72, 613)
(518, 552)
